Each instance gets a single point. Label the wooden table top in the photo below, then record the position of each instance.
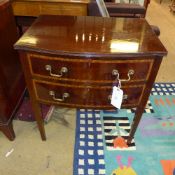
(87, 36)
(63, 1)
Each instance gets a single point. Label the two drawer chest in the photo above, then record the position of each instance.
(75, 62)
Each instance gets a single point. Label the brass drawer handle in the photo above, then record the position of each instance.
(116, 73)
(124, 97)
(64, 96)
(62, 71)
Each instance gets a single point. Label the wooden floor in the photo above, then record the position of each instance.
(160, 15)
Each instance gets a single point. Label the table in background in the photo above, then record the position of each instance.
(52, 7)
(26, 11)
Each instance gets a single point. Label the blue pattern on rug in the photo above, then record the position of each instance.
(89, 153)
(163, 89)
(150, 149)
(154, 140)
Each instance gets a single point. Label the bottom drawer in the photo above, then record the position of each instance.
(84, 96)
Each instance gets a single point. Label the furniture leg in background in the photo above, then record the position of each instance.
(12, 86)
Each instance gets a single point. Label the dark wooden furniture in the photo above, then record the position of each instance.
(11, 77)
(125, 10)
(74, 61)
(129, 8)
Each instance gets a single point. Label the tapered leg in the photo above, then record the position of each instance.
(145, 96)
(8, 131)
(39, 119)
(135, 123)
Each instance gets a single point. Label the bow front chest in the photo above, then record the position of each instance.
(75, 62)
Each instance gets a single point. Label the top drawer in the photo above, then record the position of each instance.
(104, 71)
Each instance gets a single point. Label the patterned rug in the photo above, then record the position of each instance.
(151, 152)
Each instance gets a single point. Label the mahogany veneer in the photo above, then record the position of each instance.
(73, 62)
(11, 77)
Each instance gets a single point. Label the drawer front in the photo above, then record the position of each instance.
(84, 96)
(88, 69)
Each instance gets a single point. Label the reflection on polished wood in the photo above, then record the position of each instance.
(90, 49)
(52, 7)
(88, 36)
